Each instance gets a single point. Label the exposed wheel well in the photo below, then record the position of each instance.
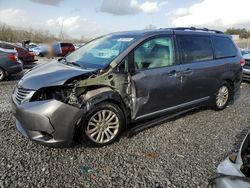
(106, 94)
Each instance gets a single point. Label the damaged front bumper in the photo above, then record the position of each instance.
(49, 122)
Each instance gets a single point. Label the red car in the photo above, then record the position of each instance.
(23, 54)
(67, 48)
(62, 48)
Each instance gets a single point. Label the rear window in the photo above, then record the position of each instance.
(224, 47)
(195, 48)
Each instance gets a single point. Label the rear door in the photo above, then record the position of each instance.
(156, 77)
(200, 72)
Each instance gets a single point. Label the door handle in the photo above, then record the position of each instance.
(186, 72)
(173, 73)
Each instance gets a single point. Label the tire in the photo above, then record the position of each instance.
(222, 96)
(113, 114)
(2, 74)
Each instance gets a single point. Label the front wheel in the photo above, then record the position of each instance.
(222, 96)
(103, 125)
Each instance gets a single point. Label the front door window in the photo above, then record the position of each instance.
(154, 53)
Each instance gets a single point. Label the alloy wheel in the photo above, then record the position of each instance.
(222, 96)
(103, 126)
(2, 74)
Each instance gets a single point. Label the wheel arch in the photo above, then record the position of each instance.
(231, 83)
(105, 94)
(3, 68)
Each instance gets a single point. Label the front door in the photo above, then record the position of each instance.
(156, 77)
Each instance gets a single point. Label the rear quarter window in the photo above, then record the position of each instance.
(66, 45)
(195, 48)
(224, 47)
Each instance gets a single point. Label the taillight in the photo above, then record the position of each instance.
(12, 57)
(242, 62)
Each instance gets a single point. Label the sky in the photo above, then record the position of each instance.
(92, 18)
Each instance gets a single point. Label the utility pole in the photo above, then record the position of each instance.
(248, 41)
(61, 32)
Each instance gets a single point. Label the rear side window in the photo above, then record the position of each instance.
(223, 47)
(195, 48)
(66, 44)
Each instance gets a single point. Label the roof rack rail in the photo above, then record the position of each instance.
(197, 29)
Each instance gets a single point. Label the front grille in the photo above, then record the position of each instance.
(21, 94)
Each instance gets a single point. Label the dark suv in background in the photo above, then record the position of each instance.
(126, 78)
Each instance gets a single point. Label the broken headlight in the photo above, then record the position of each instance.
(58, 93)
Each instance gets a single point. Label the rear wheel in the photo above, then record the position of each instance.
(103, 125)
(222, 96)
(2, 74)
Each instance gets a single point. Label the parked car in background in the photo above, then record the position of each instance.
(235, 169)
(32, 45)
(23, 54)
(9, 63)
(62, 48)
(246, 67)
(133, 77)
(40, 50)
(245, 51)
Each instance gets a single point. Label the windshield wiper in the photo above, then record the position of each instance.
(64, 61)
(62, 58)
(73, 63)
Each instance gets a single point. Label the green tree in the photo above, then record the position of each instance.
(243, 33)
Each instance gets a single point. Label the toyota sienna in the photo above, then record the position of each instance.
(126, 78)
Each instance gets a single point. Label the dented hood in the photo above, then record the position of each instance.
(50, 74)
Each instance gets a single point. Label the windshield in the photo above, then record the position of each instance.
(100, 52)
